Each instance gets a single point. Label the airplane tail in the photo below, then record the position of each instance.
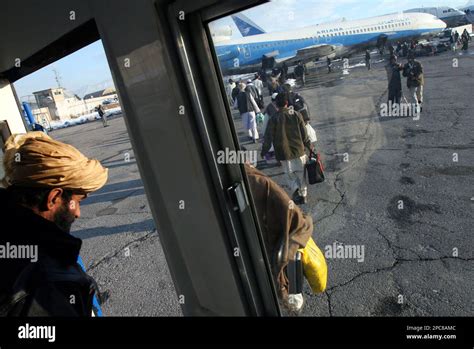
(246, 26)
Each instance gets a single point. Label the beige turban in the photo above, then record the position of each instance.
(36, 160)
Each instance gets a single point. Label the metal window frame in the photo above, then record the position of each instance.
(217, 131)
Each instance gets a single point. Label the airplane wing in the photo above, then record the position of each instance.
(307, 53)
(310, 52)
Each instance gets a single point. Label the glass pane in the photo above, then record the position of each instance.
(386, 111)
(75, 101)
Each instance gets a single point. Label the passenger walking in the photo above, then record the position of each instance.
(329, 64)
(367, 59)
(297, 102)
(248, 108)
(103, 115)
(394, 81)
(270, 112)
(300, 73)
(228, 89)
(284, 69)
(453, 42)
(288, 134)
(465, 38)
(456, 36)
(413, 71)
(405, 49)
(235, 92)
(258, 83)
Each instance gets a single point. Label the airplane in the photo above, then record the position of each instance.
(469, 11)
(449, 15)
(245, 55)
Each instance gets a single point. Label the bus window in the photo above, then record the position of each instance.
(75, 101)
(383, 199)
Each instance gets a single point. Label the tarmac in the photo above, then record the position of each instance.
(418, 260)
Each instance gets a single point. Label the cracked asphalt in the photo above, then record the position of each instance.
(409, 267)
(418, 256)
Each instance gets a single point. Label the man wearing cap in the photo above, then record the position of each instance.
(45, 181)
(413, 71)
(228, 89)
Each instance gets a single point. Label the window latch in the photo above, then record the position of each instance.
(238, 197)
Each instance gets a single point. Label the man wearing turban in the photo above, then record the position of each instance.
(45, 181)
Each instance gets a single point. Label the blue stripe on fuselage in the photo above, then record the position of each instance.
(252, 53)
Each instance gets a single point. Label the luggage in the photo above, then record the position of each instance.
(315, 268)
(311, 133)
(315, 169)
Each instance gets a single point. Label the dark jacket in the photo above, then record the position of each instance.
(395, 82)
(244, 103)
(271, 110)
(47, 286)
(414, 74)
(299, 70)
(288, 134)
(235, 92)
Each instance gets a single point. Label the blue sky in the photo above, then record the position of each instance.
(82, 72)
(87, 70)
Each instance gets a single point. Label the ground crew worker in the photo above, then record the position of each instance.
(45, 182)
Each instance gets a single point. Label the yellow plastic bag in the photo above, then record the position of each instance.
(315, 268)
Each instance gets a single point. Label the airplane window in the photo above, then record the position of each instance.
(364, 150)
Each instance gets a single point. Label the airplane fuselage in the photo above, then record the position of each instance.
(241, 54)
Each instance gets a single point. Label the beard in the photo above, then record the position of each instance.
(64, 218)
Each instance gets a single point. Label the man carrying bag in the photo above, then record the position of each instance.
(287, 131)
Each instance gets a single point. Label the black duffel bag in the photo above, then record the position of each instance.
(314, 168)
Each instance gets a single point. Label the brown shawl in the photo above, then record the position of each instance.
(281, 222)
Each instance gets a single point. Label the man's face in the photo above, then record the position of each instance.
(63, 212)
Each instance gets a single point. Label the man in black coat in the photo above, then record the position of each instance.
(45, 182)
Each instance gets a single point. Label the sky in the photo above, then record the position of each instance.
(82, 72)
(87, 70)
(285, 14)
